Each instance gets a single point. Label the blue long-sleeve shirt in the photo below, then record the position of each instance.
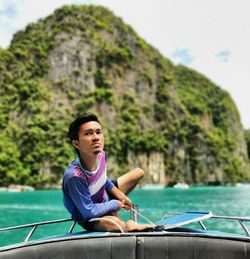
(84, 192)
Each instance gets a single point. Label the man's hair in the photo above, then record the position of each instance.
(75, 125)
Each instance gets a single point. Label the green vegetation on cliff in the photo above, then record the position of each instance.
(83, 58)
(247, 137)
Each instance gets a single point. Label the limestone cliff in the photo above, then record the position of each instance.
(171, 121)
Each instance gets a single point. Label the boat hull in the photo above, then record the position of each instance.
(134, 245)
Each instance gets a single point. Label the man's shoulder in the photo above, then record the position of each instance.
(74, 170)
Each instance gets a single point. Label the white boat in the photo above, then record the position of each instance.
(245, 185)
(153, 186)
(181, 186)
(19, 188)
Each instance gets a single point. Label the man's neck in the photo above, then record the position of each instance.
(89, 162)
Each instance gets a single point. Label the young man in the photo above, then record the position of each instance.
(86, 187)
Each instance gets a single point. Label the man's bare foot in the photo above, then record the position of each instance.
(135, 227)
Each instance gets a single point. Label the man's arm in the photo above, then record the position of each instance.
(119, 195)
(79, 193)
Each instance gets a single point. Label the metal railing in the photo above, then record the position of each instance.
(34, 226)
(134, 214)
(240, 220)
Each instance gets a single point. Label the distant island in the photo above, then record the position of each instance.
(169, 120)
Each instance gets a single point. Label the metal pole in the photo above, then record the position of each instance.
(133, 212)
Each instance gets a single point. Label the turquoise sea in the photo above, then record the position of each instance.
(29, 207)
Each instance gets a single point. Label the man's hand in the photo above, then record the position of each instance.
(124, 201)
(121, 205)
(125, 204)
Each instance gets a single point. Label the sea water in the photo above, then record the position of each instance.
(154, 204)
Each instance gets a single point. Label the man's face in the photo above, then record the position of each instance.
(91, 139)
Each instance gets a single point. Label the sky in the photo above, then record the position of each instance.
(210, 36)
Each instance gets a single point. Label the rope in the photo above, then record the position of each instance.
(148, 220)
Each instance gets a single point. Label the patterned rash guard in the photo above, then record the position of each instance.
(84, 192)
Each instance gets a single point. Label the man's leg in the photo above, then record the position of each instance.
(113, 223)
(128, 181)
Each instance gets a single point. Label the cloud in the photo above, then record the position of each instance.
(223, 55)
(7, 9)
(182, 56)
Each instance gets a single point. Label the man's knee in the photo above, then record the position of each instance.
(140, 172)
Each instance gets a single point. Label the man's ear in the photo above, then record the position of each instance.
(75, 143)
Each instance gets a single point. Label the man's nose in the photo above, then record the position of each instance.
(95, 136)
